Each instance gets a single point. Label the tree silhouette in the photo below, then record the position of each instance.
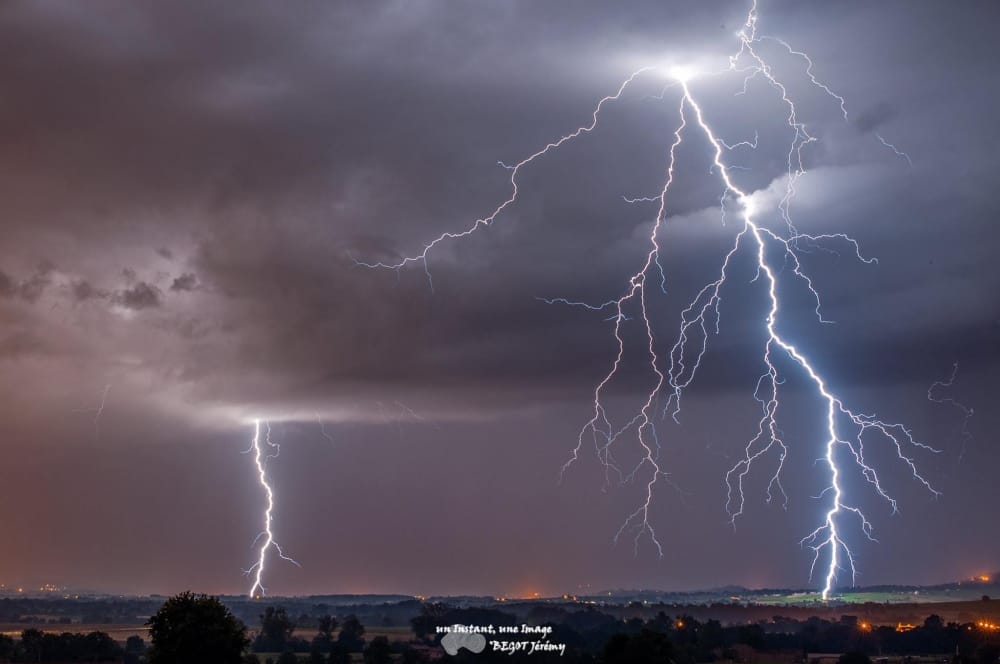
(412, 656)
(431, 615)
(6, 647)
(646, 646)
(351, 636)
(378, 651)
(338, 654)
(854, 658)
(327, 625)
(135, 644)
(988, 653)
(288, 657)
(195, 629)
(275, 631)
(36, 646)
(31, 645)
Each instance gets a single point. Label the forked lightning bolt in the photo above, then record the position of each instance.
(777, 257)
(267, 534)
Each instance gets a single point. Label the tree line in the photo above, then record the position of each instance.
(199, 629)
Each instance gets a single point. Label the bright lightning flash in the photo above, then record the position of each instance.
(682, 73)
(257, 590)
(777, 256)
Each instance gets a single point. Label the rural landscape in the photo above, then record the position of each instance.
(957, 623)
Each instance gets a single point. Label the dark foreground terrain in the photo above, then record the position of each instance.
(614, 627)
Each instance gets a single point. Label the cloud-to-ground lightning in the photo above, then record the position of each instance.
(776, 254)
(266, 536)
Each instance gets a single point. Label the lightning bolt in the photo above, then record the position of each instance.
(323, 431)
(256, 570)
(98, 411)
(966, 411)
(899, 153)
(777, 259)
(514, 169)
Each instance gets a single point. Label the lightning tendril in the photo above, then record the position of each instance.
(966, 411)
(98, 411)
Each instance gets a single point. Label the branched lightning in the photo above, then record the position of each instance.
(966, 411)
(777, 257)
(267, 534)
(514, 170)
(98, 411)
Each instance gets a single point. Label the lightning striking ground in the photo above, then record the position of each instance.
(256, 571)
(777, 260)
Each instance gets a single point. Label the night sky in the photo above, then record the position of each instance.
(185, 188)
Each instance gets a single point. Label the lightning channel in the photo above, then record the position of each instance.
(98, 411)
(266, 536)
(899, 153)
(514, 169)
(966, 411)
(323, 432)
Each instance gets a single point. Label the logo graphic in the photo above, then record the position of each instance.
(452, 642)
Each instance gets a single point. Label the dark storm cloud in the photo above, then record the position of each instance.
(83, 290)
(29, 289)
(874, 117)
(185, 282)
(221, 172)
(272, 157)
(139, 296)
(33, 288)
(295, 144)
(7, 287)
